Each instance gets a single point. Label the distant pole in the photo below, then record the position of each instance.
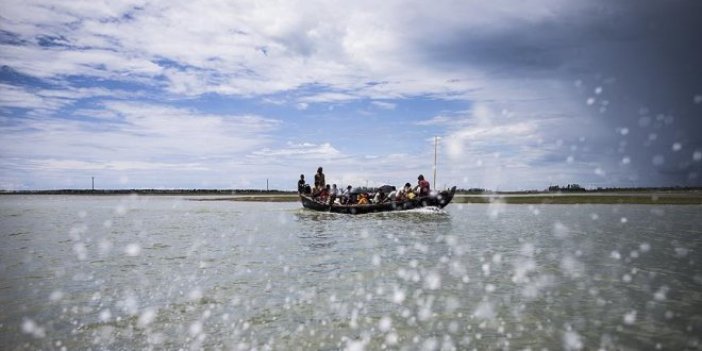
(435, 142)
(93, 183)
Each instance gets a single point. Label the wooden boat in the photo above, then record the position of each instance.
(439, 200)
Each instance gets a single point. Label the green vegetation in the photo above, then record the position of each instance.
(653, 199)
(255, 198)
(149, 192)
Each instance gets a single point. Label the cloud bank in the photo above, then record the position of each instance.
(192, 94)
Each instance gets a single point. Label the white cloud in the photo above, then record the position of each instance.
(135, 136)
(53, 99)
(384, 105)
(323, 151)
(443, 121)
(13, 96)
(250, 48)
(328, 97)
(76, 165)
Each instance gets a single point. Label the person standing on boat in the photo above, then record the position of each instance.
(319, 181)
(423, 188)
(301, 184)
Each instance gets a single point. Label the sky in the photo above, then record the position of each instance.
(233, 94)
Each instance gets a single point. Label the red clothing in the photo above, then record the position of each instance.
(424, 189)
(323, 195)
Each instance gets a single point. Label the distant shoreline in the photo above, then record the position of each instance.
(653, 198)
(643, 197)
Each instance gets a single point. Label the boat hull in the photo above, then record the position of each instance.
(440, 200)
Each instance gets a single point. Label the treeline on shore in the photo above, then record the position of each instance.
(575, 188)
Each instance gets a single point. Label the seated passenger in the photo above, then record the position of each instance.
(406, 193)
(323, 195)
(346, 196)
(379, 197)
(333, 193)
(363, 199)
(393, 194)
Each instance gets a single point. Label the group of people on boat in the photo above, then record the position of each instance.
(325, 193)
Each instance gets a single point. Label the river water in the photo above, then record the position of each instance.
(124, 273)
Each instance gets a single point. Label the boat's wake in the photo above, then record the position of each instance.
(426, 210)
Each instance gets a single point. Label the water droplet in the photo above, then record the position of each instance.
(645, 247)
(132, 249)
(497, 258)
(560, 230)
(105, 315)
(385, 324)
(486, 269)
(195, 328)
(572, 341)
(81, 251)
(56, 295)
(195, 294)
(398, 296)
(485, 310)
(432, 281)
(630, 318)
(121, 210)
(681, 252)
(146, 317)
(644, 121)
(661, 293)
(31, 327)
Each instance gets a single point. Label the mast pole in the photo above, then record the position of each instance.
(435, 141)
